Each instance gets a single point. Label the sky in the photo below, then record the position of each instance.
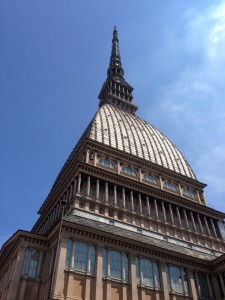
(54, 57)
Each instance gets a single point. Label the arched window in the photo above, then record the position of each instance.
(150, 178)
(189, 193)
(170, 186)
(129, 171)
(107, 163)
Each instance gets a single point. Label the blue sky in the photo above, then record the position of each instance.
(53, 61)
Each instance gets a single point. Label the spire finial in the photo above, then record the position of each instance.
(116, 90)
(115, 66)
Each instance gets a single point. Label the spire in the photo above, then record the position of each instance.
(115, 60)
(115, 89)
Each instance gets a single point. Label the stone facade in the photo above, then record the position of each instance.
(126, 218)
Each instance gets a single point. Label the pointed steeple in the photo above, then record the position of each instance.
(116, 90)
(115, 66)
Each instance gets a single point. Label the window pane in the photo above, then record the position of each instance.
(26, 254)
(92, 258)
(168, 277)
(115, 264)
(203, 285)
(80, 257)
(186, 289)
(146, 268)
(104, 265)
(34, 260)
(156, 270)
(126, 267)
(107, 163)
(137, 262)
(69, 253)
(176, 279)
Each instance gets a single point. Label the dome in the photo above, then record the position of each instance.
(124, 131)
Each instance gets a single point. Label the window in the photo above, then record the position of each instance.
(84, 256)
(204, 285)
(80, 257)
(34, 260)
(69, 253)
(150, 178)
(189, 193)
(118, 261)
(148, 271)
(30, 263)
(177, 279)
(107, 163)
(115, 264)
(170, 186)
(129, 171)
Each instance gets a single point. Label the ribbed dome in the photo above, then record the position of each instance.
(124, 131)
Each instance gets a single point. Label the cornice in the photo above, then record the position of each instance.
(133, 246)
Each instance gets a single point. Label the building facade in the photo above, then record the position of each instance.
(126, 218)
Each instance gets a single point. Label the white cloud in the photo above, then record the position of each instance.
(194, 99)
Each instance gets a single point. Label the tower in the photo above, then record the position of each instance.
(125, 219)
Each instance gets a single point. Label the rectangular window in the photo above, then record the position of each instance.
(115, 264)
(80, 257)
(92, 259)
(137, 262)
(69, 253)
(34, 260)
(177, 279)
(146, 268)
(104, 264)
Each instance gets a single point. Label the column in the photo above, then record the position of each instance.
(178, 214)
(148, 206)
(193, 220)
(88, 185)
(95, 158)
(13, 288)
(171, 214)
(98, 289)
(71, 191)
(140, 204)
(156, 209)
(191, 284)
(87, 156)
(115, 195)
(58, 275)
(164, 284)
(209, 285)
(97, 189)
(87, 279)
(222, 283)
(106, 192)
(108, 288)
(206, 225)
(132, 200)
(124, 278)
(74, 186)
(200, 223)
(186, 219)
(214, 229)
(123, 198)
(79, 183)
(134, 291)
(164, 212)
(197, 283)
